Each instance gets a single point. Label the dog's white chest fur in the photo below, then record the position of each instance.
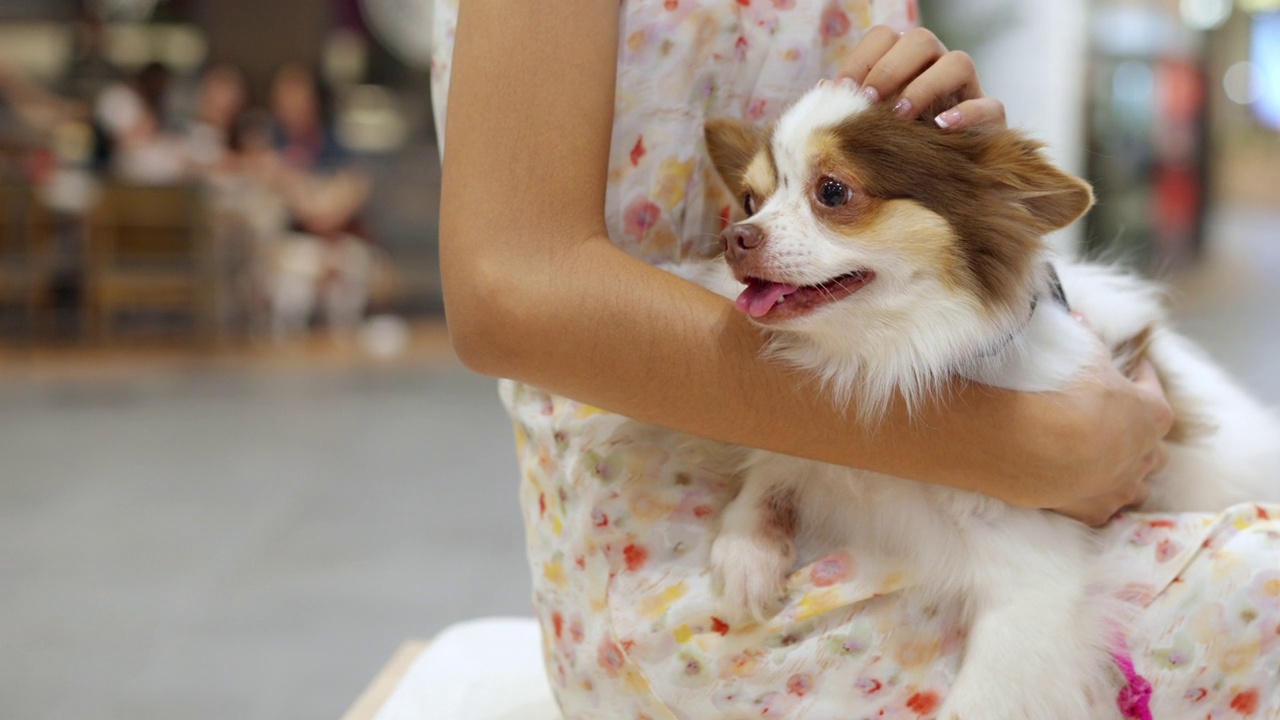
(1037, 600)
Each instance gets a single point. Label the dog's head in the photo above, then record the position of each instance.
(862, 225)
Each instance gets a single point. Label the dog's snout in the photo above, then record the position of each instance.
(741, 239)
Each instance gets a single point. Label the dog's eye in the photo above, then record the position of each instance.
(749, 203)
(833, 193)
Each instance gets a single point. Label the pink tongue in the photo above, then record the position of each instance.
(760, 297)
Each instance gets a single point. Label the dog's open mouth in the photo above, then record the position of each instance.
(779, 300)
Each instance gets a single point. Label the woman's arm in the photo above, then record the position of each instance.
(534, 291)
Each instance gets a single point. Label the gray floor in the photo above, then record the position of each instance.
(244, 547)
(235, 545)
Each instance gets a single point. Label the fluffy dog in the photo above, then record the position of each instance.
(889, 257)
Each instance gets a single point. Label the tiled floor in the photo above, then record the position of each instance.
(235, 541)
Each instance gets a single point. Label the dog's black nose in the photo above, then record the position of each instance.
(740, 239)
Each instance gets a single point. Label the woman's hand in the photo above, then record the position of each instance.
(918, 72)
(1115, 426)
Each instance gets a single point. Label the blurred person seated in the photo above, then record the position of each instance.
(212, 134)
(323, 260)
(132, 115)
(215, 153)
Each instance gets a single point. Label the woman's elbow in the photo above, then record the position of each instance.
(483, 317)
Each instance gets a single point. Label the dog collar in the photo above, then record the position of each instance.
(1055, 289)
(1056, 293)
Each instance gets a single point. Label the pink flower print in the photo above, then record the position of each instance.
(671, 4)
(1136, 593)
(719, 626)
(855, 643)
(740, 48)
(609, 656)
(636, 556)
(913, 12)
(775, 704)
(637, 151)
(605, 468)
(1166, 549)
(1142, 535)
(834, 23)
(832, 569)
(800, 684)
(1180, 654)
(639, 217)
(694, 669)
(755, 110)
(784, 4)
(868, 686)
(1245, 703)
(743, 664)
(923, 703)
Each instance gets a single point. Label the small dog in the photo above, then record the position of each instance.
(888, 257)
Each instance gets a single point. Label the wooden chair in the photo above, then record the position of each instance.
(149, 249)
(26, 260)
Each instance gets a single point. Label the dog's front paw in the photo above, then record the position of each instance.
(750, 572)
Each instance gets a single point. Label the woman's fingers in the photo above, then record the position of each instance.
(874, 44)
(1094, 513)
(1148, 381)
(916, 69)
(952, 77)
(973, 113)
(909, 57)
(1140, 398)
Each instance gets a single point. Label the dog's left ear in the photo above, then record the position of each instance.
(732, 144)
(1055, 199)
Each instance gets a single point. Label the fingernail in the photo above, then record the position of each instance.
(824, 83)
(902, 108)
(871, 94)
(950, 118)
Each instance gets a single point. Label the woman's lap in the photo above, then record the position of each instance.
(620, 520)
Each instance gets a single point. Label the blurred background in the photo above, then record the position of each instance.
(238, 461)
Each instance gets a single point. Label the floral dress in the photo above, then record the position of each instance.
(620, 518)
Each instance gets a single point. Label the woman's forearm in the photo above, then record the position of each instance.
(603, 328)
(535, 292)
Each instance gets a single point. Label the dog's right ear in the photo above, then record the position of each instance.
(732, 144)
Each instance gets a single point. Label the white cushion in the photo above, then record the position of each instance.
(489, 669)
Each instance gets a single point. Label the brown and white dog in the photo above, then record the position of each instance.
(889, 257)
